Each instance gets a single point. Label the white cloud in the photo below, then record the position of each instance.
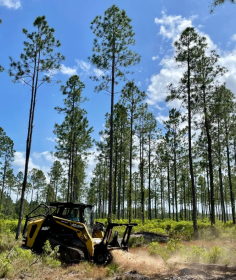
(170, 29)
(161, 119)
(47, 155)
(155, 57)
(228, 60)
(84, 66)
(139, 84)
(19, 161)
(87, 69)
(68, 71)
(169, 74)
(39, 158)
(172, 26)
(55, 139)
(233, 38)
(98, 72)
(11, 4)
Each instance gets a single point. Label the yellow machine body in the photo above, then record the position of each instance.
(31, 233)
(83, 234)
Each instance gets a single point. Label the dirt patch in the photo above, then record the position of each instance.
(138, 259)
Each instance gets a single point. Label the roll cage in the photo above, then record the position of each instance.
(58, 209)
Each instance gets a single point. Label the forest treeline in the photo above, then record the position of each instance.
(185, 171)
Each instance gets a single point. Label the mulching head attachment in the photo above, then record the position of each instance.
(102, 250)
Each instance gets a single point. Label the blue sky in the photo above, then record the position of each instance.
(157, 24)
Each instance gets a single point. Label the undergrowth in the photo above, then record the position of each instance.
(14, 260)
(181, 229)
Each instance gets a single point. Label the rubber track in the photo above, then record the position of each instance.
(64, 247)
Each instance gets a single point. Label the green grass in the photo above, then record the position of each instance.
(181, 229)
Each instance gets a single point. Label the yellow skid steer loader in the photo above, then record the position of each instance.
(77, 236)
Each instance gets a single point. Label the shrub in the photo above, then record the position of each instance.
(137, 241)
(112, 269)
(156, 249)
(173, 245)
(5, 265)
(215, 255)
(196, 254)
(49, 256)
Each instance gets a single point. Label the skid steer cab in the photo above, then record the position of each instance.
(72, 227)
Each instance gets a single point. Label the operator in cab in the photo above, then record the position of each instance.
(74, 217)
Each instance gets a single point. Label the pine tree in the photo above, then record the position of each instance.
(111, 56)
(7, 155)
(56, 173)
(36, 67)
(227, 111)
(187, 51)
(131, 97)
(141, 129)
(151, 138)
(207, 73)
(10, 182)
(175, 136)
(19, 182)
(74, 134)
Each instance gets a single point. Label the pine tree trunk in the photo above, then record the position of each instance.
(111, 137)
(142, 180)
(123, 205)
(155, 199)
(99, 196)
(162, 198)
(3, 183)
(209, 150)
(185, 209)
(173, 201)
(104, 190)
(72, 174)
(194, 215)
(69, 174)
(229, 176)
(29, 137)
(119, 187)
(176, 200)
(149, 178)
(114, 191)
(220, 177)
(208, 188)
(168, 184)
(135, 201)
(6, 198)
(130, 165)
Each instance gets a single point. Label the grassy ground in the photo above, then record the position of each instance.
(216, 246)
